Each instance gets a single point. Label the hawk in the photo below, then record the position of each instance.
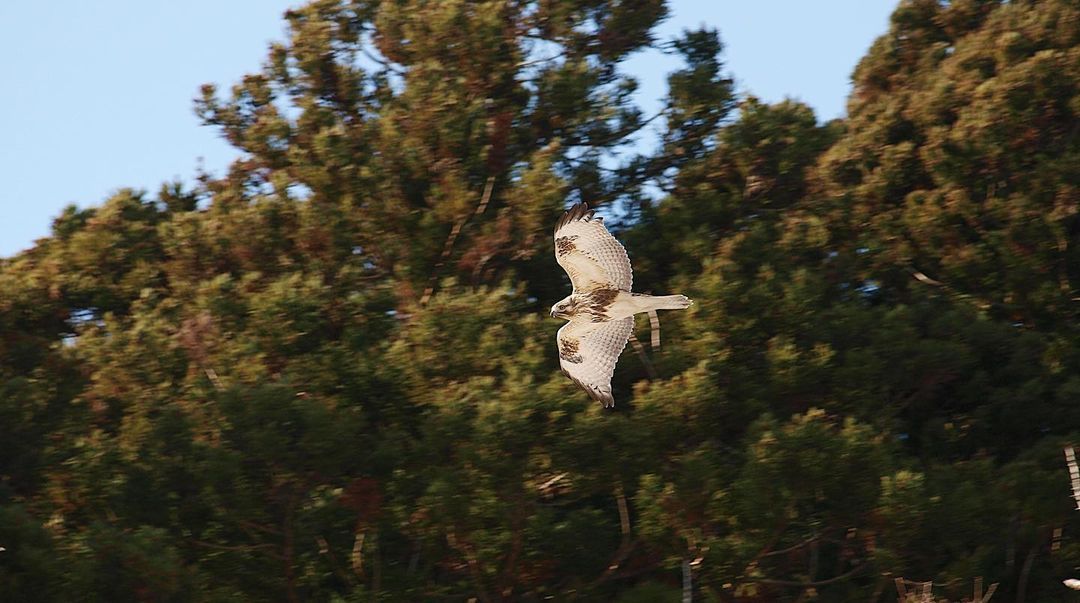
(601, 308)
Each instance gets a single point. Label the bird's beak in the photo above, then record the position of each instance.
(554, 314)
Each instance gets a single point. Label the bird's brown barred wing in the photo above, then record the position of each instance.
(589, 254)
(588, 352)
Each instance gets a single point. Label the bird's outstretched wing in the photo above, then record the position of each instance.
(589, 254)
(588, 352)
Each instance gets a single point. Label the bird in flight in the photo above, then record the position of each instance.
(601, 308)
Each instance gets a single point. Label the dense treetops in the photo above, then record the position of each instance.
(329, 375)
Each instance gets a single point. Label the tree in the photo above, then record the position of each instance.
(330, 375)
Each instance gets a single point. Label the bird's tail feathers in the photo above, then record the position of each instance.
(667, 302)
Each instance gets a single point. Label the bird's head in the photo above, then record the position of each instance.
(562, 308)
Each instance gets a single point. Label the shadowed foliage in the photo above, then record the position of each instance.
(330, 374)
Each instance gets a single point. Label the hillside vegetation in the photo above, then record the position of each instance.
(330, 374)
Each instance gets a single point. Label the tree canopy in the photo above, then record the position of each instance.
(329, 375)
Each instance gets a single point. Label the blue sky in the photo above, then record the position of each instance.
(98, 95)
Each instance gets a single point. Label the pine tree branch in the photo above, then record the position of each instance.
(654, 324)
(335, 563)
(267, 549)
(448, 247)
(625, 545)
(796, 546)
(640, 350)
(472, 562)
(814, 583)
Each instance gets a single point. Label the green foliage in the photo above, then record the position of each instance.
(30, 569)
(330, 374)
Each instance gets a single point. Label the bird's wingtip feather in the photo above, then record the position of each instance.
(580, 211)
